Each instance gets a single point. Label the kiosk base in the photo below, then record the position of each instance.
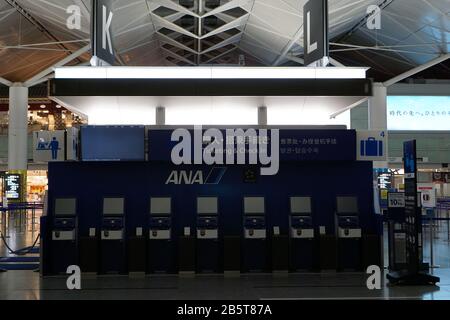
(405, 278)
(207, 256)
(136, 260)
(232, 254)
(65, 254)
(186, 254)
(161, 257)
(254, 256)
(89, 253)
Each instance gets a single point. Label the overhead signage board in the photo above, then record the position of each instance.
(49, 146)
(101, 31)
(371, 145)
(315, 28)
(13, 186)
(418, 113)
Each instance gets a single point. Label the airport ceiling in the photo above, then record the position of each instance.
(34, 34)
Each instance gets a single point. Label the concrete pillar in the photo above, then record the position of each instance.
(262, 116)
(160, 116)
(59, 122)
(378, 108)
(378, 116)
(18, 128)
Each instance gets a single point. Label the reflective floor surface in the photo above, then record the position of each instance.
(28, 285)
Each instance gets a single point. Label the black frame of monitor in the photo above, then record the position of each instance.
(304, 213)
(350, 211)
(55, 214)
(161, 214)
(258, 214)
(113, 214)
(207, 214)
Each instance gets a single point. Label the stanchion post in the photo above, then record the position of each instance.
(431, 242)
(8, 220)
(33, 218)
(432, 265)
(3, 213)
(448, 225)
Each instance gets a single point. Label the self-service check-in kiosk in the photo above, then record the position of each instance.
(161, 251)
(112, 245)
(207, 235)
(301, 234)
(64, 235)
(348, 231)
(254, 251)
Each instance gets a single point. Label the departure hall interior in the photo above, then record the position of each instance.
(227, 150)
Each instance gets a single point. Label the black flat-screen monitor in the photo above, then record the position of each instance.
(113, 206)
(113, 143)
(207, 206)
(347, 205)
(254, 206)
(65, 207)
(161, 206)
(301, 205)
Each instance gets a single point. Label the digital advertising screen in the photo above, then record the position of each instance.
(418, 113)
(13, 186)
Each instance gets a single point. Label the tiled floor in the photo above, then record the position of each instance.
(29, 285)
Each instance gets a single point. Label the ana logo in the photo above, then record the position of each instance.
(190, 177)
(186, 177)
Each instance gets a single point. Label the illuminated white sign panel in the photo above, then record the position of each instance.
(418, 113)
(209, 73)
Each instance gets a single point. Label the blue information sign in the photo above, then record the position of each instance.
(294, 145)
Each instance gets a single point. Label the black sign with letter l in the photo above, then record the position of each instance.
(101, 31)
(315, 28)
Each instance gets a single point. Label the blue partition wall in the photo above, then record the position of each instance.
(137, 182)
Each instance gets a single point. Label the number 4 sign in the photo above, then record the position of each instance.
(371, 145)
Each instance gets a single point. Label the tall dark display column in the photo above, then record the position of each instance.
(413, 275)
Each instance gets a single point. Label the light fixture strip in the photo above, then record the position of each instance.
(209, 73)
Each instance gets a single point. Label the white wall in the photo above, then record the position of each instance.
(211, 110)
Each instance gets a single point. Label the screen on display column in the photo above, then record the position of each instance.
(426, 113)
(113, 143)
